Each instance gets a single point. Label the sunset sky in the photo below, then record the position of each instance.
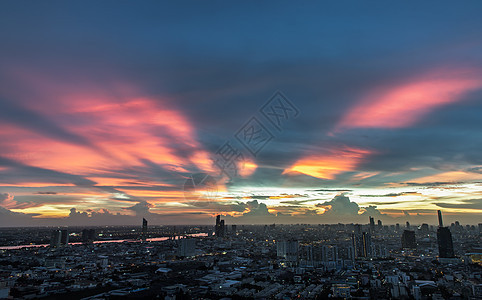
(108, 108)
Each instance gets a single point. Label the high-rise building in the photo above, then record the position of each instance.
(379, 251)
(408, 240)
(218, 221)
(358, 229)
(444, 240)
(59, 238)
(372, 224)
(64, 237)
(440, 221)
(288, 250)
(55, 238)
(219, 228)
(329, 253)
(361, 242)
(144, 229)
(379, 226)
(187, 247)
(367, 244)
(424, 228)
(88, 235)
(445, 243)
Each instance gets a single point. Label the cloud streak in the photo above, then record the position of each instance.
(404, 104)
(327, 166)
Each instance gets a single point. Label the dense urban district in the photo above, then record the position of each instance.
(339, 261)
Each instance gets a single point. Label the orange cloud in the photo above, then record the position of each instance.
(404, 104)
(329, 165)
(452, 176)
(161, 196)
(36, 184)
(246, 168)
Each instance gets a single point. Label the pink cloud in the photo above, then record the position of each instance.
(404, 104)
(7, 201)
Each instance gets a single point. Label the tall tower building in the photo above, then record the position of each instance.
(55, 238)
(59, 238)
(187, 247)
(144, 229)
(424, 228)
(372, 224)
(367, 244)
(440, 221)
(362, 242)
(444, 240)
(88, 235)
(288, 250)
(64, 237)
(219, 228)
(222, 228)
(408, 240)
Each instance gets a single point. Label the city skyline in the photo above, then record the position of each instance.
(115, 114)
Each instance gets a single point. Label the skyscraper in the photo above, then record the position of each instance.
(408, 240)
(88, 235)
(288, 249)
(187, 247)
(222, 228)
(444, 240)
(144, 229)
(219, 228)
(64, 237)
(55, 238)
(59, 237)
(440, 222)
(361, 242)
(367, 244)
(372, 224)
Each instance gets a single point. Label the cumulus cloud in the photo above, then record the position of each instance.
(340, 205)
(74, 214)
(11, 218)
(371, 211)
(219, 206)
(141, 208)
(6, 200)
(257, 209)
